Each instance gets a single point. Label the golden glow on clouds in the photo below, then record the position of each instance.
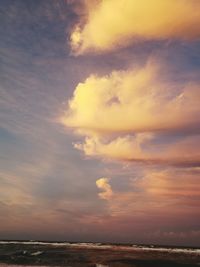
(103, 184)
(121, 113)
(143, 121)
(125, 114)
(140, 149)
(133, 100)
(115, 23)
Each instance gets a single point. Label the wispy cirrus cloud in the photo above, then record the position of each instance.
(173, 189)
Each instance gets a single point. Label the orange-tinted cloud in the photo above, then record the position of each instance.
(133, 100)
(137, 149)
(174, 190)
(103, 184)
(114, 23)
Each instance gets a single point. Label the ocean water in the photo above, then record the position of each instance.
(107, 246)
(43, 254)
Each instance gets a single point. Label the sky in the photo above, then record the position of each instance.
(100, 121)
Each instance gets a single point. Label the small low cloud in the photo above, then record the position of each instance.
(103, 184)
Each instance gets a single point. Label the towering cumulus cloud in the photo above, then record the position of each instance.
(113, 23)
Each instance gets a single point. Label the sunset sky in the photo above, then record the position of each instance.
(100, 120)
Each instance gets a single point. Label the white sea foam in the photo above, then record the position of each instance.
(173, 250)
(36, 253)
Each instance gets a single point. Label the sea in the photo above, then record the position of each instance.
(70, 254)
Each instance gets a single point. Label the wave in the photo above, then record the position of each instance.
(108, 246)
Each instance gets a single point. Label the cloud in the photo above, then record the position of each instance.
(182, 153)
(103, 184)
(135, 100)
(167, 199)
(169, 190)
(121, 116)
(172, 184)
(107, 25)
